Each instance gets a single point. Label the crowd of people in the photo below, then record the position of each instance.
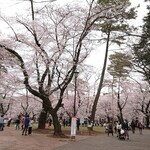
(21, 123)
(122, 128)
(24, 123)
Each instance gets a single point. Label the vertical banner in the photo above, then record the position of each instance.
(73, 126)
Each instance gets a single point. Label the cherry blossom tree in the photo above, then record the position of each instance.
(8, 89)
(48, 47)
(140, 101)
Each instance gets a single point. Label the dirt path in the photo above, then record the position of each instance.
(11, 139)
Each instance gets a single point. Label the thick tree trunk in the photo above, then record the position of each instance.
(120, 117)
(57, 126)
(42, 119)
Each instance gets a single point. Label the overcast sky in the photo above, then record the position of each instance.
(11, 7)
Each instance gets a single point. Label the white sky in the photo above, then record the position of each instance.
(97, 56)
(11, 7)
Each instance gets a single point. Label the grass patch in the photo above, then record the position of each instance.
(97, 130)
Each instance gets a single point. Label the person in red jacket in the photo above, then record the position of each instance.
(22, 123)
(140, 126)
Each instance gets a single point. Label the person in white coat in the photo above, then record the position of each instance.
(118, 126)
(30, 127)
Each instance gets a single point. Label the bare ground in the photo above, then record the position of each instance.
(11, 139)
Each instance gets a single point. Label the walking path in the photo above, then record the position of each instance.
(104, 142)
(11, 139)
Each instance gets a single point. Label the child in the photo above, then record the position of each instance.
(30, 127)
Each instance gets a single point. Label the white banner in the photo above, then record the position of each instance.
(73, 126)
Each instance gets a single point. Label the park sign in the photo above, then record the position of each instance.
(81, 120)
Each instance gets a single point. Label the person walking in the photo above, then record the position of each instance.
(110, 129)
(30, 127)
(119, 126)
(140, 126)
(26, 125)
(133, 125)
(1, 122)
(22, 123)
(18, 123)
(125, 127)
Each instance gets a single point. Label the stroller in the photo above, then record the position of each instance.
(121, 135)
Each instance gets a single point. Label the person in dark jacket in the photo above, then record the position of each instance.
(26, 125)
(1, 122)
(125, 127)
(18, 123)
(133, 125)
(110, 129)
